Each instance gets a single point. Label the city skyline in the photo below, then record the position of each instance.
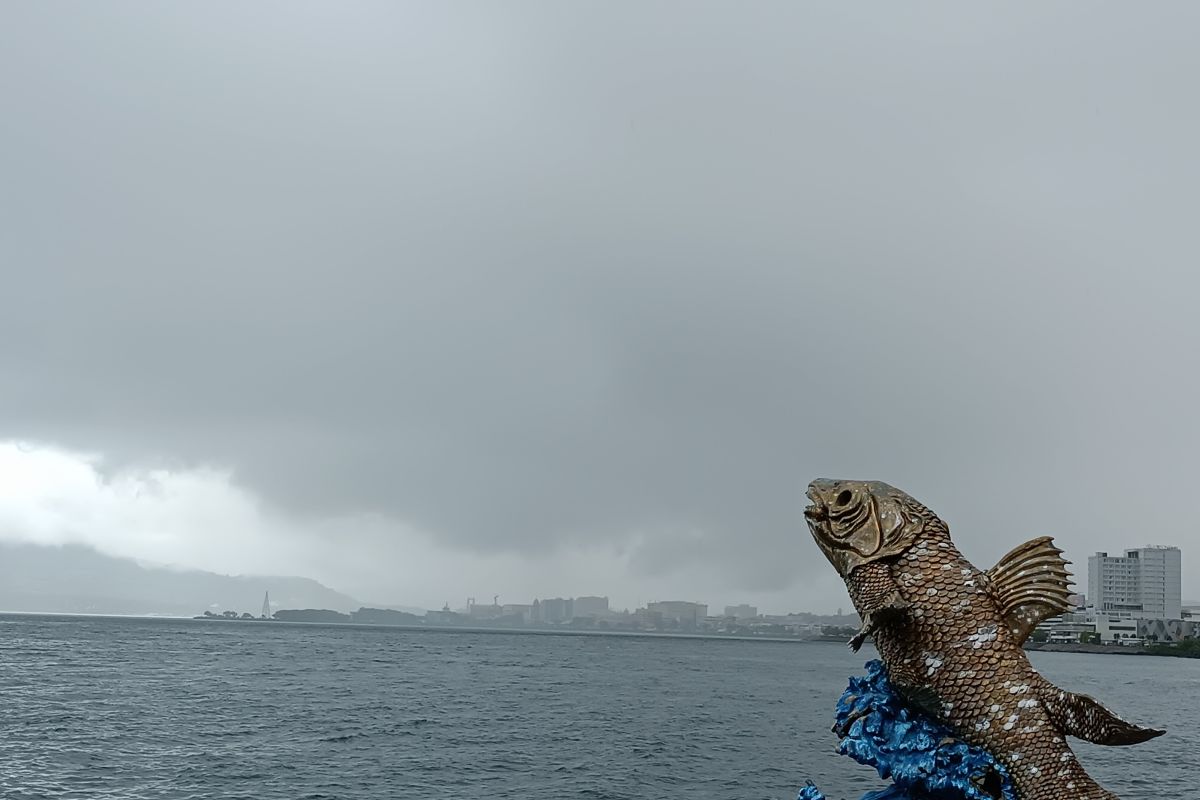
(1082, 583)
(827, 605)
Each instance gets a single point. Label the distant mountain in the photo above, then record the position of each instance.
(79, 580)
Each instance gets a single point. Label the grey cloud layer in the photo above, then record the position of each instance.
(541, 274)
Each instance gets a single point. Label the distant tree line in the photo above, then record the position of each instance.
(1188, 648)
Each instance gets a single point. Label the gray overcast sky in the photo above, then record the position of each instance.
(435, 300)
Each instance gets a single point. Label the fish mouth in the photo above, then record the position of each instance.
(817, 511)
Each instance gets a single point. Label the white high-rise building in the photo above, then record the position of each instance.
(1145, 583)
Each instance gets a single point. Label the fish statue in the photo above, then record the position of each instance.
(951, 635)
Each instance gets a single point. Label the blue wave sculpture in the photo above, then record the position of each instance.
(923, 758)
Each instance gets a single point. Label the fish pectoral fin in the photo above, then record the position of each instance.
(1082, 717)
(922, 698)
(1030, 584)
(893, 608)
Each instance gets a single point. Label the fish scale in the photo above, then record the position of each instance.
(951, 634)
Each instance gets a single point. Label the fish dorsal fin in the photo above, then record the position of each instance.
(1031, 583)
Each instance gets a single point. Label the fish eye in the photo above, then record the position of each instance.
(843, 498)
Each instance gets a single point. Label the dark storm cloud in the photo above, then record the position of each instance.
(537, 274)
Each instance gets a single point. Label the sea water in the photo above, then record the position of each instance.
(95, 707)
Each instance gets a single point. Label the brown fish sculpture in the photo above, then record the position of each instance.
(951, 635)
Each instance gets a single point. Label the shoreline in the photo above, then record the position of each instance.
(1159, 650)
(548, 631)
(1101, 649)
(1030, 647)
(434, 628)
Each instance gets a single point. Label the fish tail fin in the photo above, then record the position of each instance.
(1082, 717)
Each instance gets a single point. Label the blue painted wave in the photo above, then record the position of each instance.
(923, 758)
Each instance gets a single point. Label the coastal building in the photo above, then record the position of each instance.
(480, 611)
(554, 610)
(444, 617)
(741, 611)
(678, 612)
(1117, 629)
(518, 610)
(1067, 628)
(590, 607)
(1145, 583)
(1167, 630)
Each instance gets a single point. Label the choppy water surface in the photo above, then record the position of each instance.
(129, 708)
